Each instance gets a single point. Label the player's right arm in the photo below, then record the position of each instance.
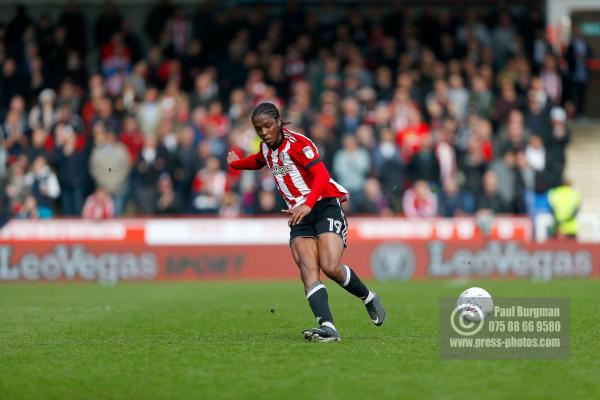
(254, 161)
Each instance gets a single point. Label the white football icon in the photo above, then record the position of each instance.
(476, 304)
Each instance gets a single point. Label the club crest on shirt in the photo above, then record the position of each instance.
(282, 157)
(308, 152)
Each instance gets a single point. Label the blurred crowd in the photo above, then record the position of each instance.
(428, 112)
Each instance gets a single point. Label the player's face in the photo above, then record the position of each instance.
(267, 128)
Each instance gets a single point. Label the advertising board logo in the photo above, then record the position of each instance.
(508, 259)
(76, 263)
(393, 261)
(205, 264)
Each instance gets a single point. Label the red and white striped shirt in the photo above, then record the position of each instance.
(289, 165)
(98, 206)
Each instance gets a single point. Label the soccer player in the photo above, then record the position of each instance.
(317, 222)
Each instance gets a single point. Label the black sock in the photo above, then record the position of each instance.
(319, 303)
(353, 284)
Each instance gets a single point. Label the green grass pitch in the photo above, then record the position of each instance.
(242, 341)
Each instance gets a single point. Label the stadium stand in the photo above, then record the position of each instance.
(433, 113)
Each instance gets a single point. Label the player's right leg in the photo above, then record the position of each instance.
(305, 252)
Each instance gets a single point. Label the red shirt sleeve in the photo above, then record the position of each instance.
(320, 180)
(255, 161)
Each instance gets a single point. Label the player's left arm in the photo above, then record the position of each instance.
(311, 162)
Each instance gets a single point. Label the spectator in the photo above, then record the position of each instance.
(473, 166)
(490, 200)
(552, 79)
(526, 177)
(5, 206)
(70, 167)
(29, 209)
(117, 62)
(507, 102)
(557, 142)
(458, 97)
(39, 143)
(419, 202)
(445, 152)
(178, 30)
(109, 165)
(577, 55)
(131, 137)
(105, 114)
(351, 165)
(564, 203)
(205, 90)
(65, 116)
(383, 83)
(13, 131)
(514, 136)
(99, 205)
(388, 167)
(351, 118)
(75, 69)
(372, 201)
(365, 136)
(185, 163)
(230, 205)
(410, 139)
(537, 119)
(44, 187)
(43, 114)
(402, 109)
(536, 154)
(209, 187)
(149, 112)
(502, 38)
(438, 100)
(506, 174)
(481, 100)
(168, 203)
(16, 187)
(266, 202)
(151, 162)
(424, 165)
(454, 202)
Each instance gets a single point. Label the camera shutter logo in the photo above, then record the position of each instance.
(393, 261)
(466, 327)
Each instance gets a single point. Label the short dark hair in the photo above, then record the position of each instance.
(267, 109)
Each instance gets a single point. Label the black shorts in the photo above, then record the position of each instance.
(326, 216)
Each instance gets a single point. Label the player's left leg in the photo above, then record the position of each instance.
(331, 247)
(331, 228)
